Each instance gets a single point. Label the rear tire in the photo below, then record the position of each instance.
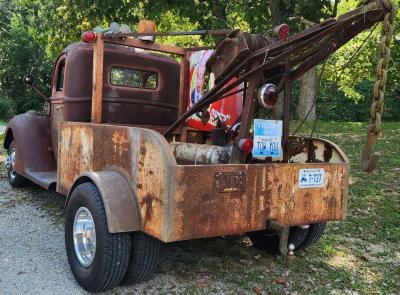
(315, 232)
(144, 258)
(98, 258)
(268, 240)
(15, 179)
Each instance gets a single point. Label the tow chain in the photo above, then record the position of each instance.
(369, 159)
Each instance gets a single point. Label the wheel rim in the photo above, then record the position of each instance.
(10, 163)
(84, 236)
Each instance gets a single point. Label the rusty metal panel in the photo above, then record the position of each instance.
(271, 192)
(194, 201)
(141, 156)
(35, 158)
(230, 182)
(119, 202)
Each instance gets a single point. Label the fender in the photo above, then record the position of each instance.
(33, 146)
(119, 201)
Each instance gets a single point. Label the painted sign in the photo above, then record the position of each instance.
(227, 109)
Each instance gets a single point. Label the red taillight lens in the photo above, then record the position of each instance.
(268, 96)
(88, 37)
(246, 145)
(282, 31)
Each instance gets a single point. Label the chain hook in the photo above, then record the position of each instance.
(370, 159)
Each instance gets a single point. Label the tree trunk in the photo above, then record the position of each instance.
(308, 86)
(278, 9)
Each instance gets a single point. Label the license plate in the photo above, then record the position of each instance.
(311, 178)
(230, 182)
(267, 138)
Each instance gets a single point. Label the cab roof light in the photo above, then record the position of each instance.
(88, 37)
(147, 26)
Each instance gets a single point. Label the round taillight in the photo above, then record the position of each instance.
(268, 96)
(282, 31)
(88, 37)
(246, 145)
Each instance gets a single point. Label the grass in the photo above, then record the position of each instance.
(358, 255)
(2, 123)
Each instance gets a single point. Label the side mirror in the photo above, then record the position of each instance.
(29, 80)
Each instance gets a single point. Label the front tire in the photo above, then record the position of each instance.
(15, 179)
(98, 258)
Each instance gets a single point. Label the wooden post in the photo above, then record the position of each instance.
(97, 93)
(184, 92)
(286, 113)
(237, 155)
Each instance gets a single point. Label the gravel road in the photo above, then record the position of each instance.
(33, 258)
(32, 252)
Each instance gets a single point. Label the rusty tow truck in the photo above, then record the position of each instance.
(115, 139)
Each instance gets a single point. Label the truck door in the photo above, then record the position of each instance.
(57, 103)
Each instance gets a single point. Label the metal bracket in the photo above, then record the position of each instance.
(283, 234)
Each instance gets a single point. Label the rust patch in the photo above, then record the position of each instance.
(146, 206)
(142, 150)
(327, 153)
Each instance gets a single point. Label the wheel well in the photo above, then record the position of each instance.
(79, 181)
(119, 201)
(9, 138)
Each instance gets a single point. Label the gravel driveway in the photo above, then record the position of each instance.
(32, 253)
(33, 258)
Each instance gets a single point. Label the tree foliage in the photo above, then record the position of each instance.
(20, 54)
(33, 32)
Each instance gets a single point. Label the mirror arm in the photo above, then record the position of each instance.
(41, 94)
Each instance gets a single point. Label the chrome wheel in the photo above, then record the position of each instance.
(84, 233)
(9, 163)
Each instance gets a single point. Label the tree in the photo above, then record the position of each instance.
(313, 11)
(20, 54)
(361, 70)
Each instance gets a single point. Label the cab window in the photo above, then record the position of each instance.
(133, 78)
(60, 76)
